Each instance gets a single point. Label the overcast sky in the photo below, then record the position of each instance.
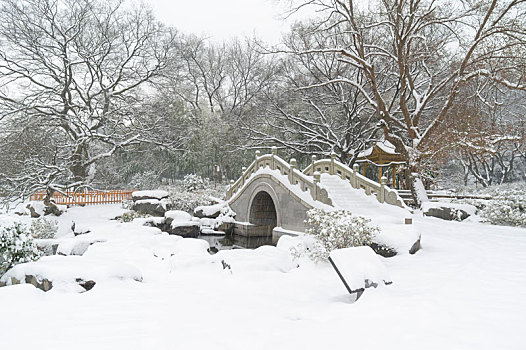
(224, 19)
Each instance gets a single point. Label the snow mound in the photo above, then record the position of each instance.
(190, 253)
(68, 269)
(265, 258)
(178, 215)
(164, 245)
(75, 246)
(359, 267)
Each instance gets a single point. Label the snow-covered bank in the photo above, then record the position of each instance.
(464, 290)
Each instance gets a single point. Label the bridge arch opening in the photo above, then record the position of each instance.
(263, 211)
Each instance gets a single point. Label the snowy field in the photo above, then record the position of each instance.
(465, 289)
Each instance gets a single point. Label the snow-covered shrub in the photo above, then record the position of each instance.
(507, 205)
(127, 204)
(16, 246)
(147, 180)
(193, 183)
(336, 229)
(130, 215)
(193, 192)
(187, 201)
(43, 228)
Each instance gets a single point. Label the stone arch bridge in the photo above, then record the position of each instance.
(272, 196)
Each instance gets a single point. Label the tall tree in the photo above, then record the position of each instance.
(416, 56)
(77, 68)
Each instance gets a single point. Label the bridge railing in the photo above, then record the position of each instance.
(309, 179)
(294, 176)
(383, 193)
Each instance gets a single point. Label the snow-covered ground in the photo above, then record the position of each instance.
(466, 289)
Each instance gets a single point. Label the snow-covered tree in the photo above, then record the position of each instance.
(304, 114)
(76, 68)
(416, 56)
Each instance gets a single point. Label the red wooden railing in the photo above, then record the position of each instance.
(86, 197)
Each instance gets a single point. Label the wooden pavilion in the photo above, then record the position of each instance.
(381, 154)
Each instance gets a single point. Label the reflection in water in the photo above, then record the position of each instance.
(235, 242)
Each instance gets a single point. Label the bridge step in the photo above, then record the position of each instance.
(344, 196)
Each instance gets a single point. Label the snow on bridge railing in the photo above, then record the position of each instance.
(295, 176)
(310, 177)
(86, 197)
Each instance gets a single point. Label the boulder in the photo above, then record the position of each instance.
(383, 250)
(154, 207)
(186, 229)
(53, 209)
(209, 211)
(32, 211)
(446, 213)
(141, 195)
(87, 285)
(47, 246)
(43, 284)
(415, 247)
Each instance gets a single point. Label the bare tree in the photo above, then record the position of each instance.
(417, 55)
(302, 113)
(77, 67)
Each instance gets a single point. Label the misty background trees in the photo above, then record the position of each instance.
(97, 93)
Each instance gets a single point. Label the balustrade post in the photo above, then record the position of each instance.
(274, 153)
(293, 165)
(229, 191)
(258, 153)
(316, 177)
(243, 171)
(354, 176)
(331, 169)
(313, 158)
(383, 189)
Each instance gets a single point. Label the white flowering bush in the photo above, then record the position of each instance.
(334, 230)
(507, 205)
(16, 246)
(43, 228)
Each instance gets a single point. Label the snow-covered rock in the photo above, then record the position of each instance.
(190, 253)
(209, 211)
(178, 222)
(75, 246)
(448, 211)
(36, 209)
(155, 207)
(177, 215)
(264, 258)
(141, 195)
(359, 268)
(70, 270)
